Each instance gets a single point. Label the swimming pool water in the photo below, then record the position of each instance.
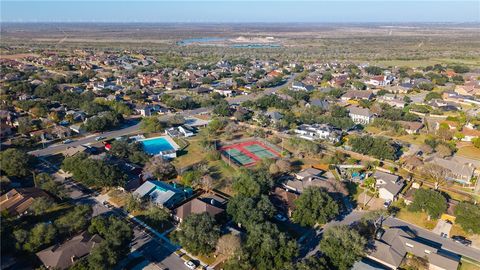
(156, 145)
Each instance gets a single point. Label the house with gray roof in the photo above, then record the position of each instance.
(388, 185)
(456, 171)
(162, 194)
(391, 245)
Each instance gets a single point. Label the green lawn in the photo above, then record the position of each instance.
(467, 264)
(417, 218)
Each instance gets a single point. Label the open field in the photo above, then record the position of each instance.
(389, 45)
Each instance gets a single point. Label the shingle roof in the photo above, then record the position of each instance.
(196, 206)
(63, 256)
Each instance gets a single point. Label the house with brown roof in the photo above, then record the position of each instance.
(284, 200)
(18, 200)
(411, 127)
(196, 206)
(65, 255)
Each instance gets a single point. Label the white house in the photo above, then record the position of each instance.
(388, 185)
(361, 115)
(319, 132)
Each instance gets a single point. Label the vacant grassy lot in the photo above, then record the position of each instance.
(418, 218)
(469, 152)
(467, 264)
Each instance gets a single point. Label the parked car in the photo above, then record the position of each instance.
(67, 141)
(387, 203)
(461, 240)
(99, 138)
(190, 264)
(280, 217)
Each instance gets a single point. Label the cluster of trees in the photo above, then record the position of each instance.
(468, 216)
(93, 172)
(379, 147)
(305, 147)
(106, 121)
(314, 207)
(198, 233)
(130, 151)
(429, 201)
(117, 235)
(47, 232)
(268, 101)
(46, 182)
(14, 162)
(186, 103)
(264, 247)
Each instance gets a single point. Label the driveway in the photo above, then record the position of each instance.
(443, 228)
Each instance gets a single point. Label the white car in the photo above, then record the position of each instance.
(99, 138)
(280, 217)
(190, 264)
(387, 203)
(67, 141)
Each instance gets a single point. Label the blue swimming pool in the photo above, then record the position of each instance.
(155, 146)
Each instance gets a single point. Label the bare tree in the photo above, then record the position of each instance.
(228, 244)
(207, 183)
(159, 168)
(435, 173)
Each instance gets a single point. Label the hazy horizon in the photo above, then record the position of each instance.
(306, 12)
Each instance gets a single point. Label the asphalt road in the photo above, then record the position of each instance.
(57, 148)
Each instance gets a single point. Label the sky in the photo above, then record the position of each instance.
(234, 11)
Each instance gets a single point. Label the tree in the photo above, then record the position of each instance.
(93, 172)
(14, 162)
(468, 216)
(430, 201)
(343, 246)
(40, 236)
(116, 234)
(252, 183)
(476, 142)
(222, 109)
(152, 124)
(228, 245)
(314, 206)
(443, 150)
(132, 203)
(75, 220)
(379, 147)
(46, 182)
(198, 233)
(313, 263)
(269, 248)
(435, 173)
(131, 151)
(159, 168)
(247, 211)
(40, 205)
